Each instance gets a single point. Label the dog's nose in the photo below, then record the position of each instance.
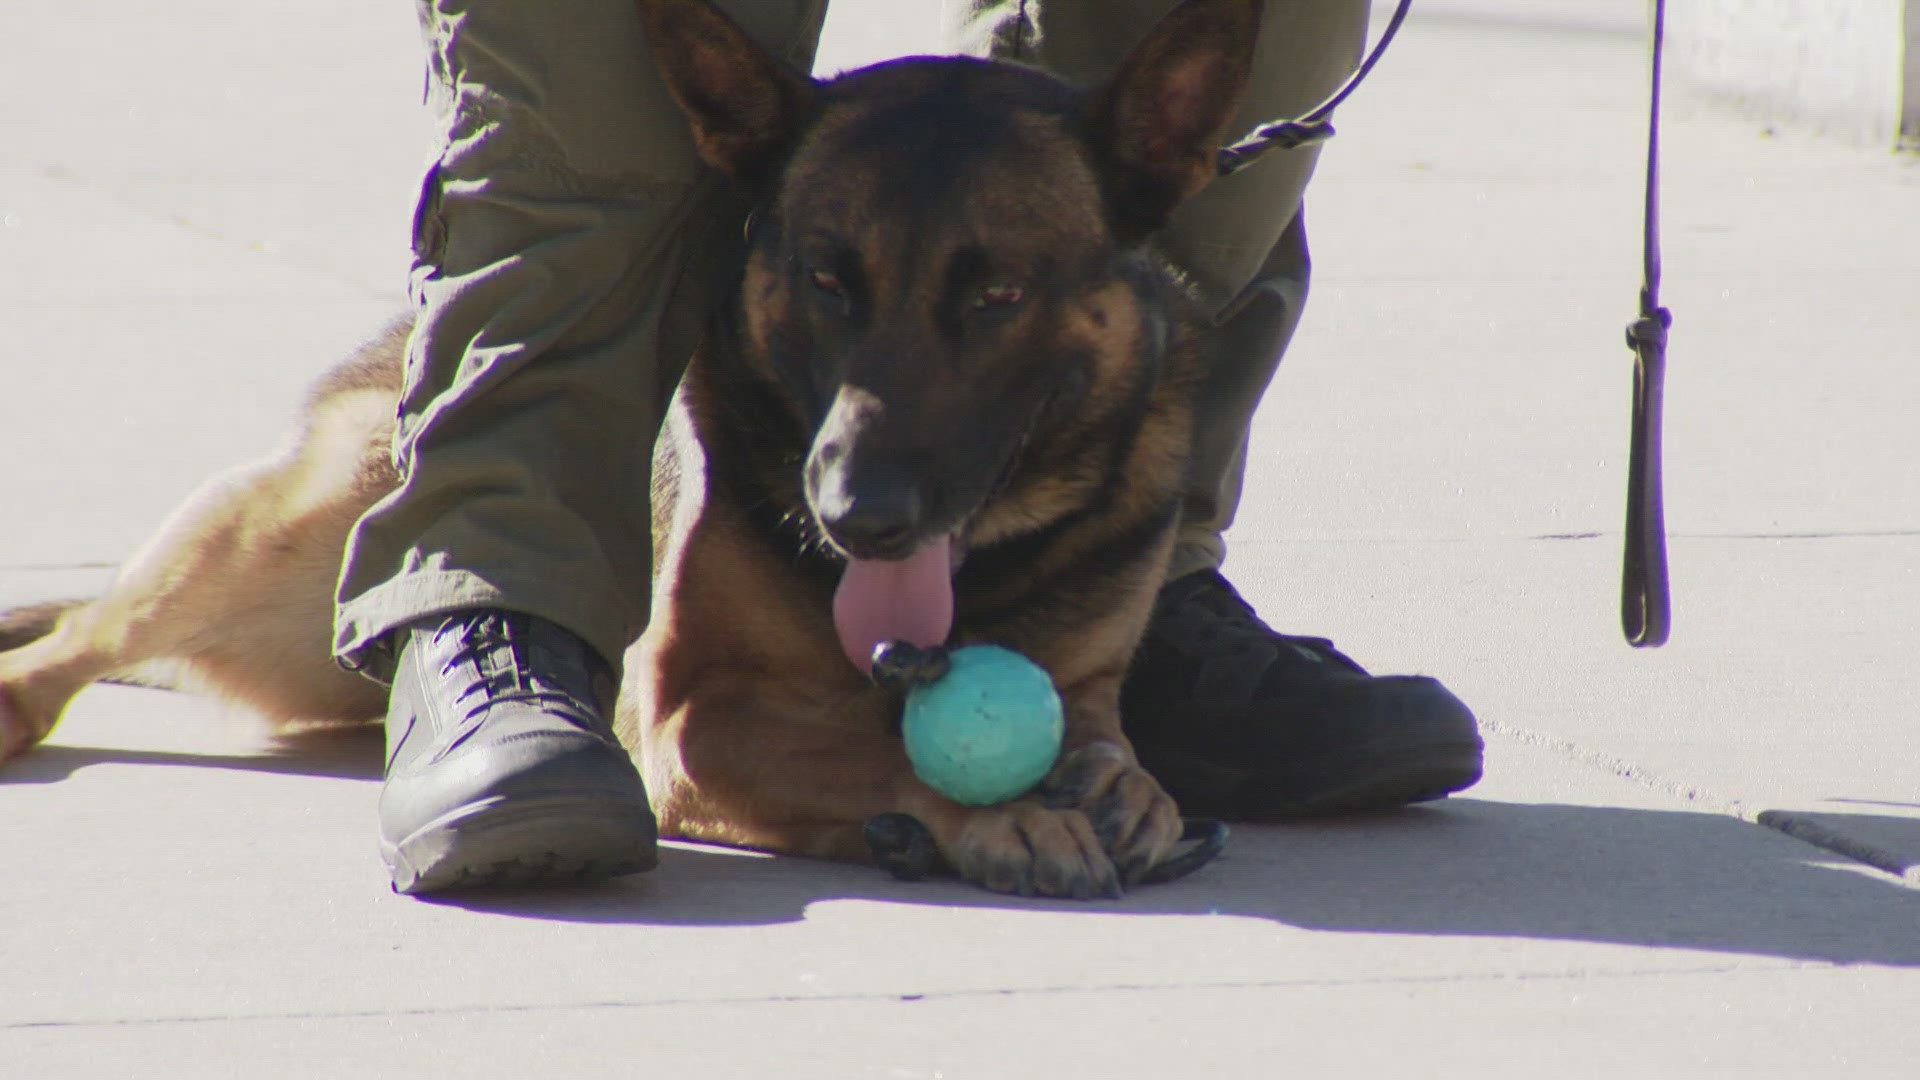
(864, 479)
(872, 517)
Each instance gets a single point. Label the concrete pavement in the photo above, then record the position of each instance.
(200, 205)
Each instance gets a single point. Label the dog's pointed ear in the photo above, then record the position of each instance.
(1159, 123)
(745, 106)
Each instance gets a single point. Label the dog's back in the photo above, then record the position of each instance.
(234, 593)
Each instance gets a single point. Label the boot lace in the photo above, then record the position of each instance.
(497, 649)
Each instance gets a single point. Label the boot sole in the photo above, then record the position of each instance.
(521, 841)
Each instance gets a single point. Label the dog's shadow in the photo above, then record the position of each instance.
(1463, 867)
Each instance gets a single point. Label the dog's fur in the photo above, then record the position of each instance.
(946, 327)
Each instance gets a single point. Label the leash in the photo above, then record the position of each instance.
(1645, 606)
(1645, 598)
(1315, 125)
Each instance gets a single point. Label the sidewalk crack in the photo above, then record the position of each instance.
(1798, 824)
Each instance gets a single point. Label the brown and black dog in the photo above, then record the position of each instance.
(948, 402)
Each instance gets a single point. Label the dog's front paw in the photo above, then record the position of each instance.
(1136, 820)
(21, 727)
(1031, 849)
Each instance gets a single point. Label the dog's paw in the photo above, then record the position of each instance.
(20, 730)
(1028, 848)
(1136, 821)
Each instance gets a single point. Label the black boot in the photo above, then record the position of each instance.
(1236, 720)
(501, 765)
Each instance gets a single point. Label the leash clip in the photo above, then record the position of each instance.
(1285, 135)
(1315, 125)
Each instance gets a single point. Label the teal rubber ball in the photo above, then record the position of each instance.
(986, 732)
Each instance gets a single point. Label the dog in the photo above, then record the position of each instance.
(949, 402)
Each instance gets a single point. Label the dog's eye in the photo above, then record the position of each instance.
(828, 283)
(998, 297)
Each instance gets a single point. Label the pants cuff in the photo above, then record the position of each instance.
(1196, 552)
(363, 624)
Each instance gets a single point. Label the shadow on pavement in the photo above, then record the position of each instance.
(1651, 878)
(1655, 878)
(343, 752)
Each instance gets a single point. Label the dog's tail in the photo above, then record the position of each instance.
(24, 625)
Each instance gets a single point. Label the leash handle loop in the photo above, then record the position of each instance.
(1645, 600)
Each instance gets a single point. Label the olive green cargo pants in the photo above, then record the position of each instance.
(568, 246)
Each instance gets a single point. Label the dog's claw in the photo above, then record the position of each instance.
(902, 846)
(1208, 836)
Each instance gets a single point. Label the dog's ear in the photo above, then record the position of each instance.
(745, 106)
(1160, 121)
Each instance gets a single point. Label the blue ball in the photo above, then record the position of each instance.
(986, 732)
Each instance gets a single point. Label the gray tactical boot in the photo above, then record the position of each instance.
(501, 765)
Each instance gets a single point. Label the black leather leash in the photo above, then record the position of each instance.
(1316, 124)
(1645, 606)
(1645, 600)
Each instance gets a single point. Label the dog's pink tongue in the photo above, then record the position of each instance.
(909, 599)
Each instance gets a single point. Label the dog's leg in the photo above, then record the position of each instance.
(236, 588)
(812, 783)
(1136, 821)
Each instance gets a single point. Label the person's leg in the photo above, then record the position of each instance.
(1233, 717)
(566, 243)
